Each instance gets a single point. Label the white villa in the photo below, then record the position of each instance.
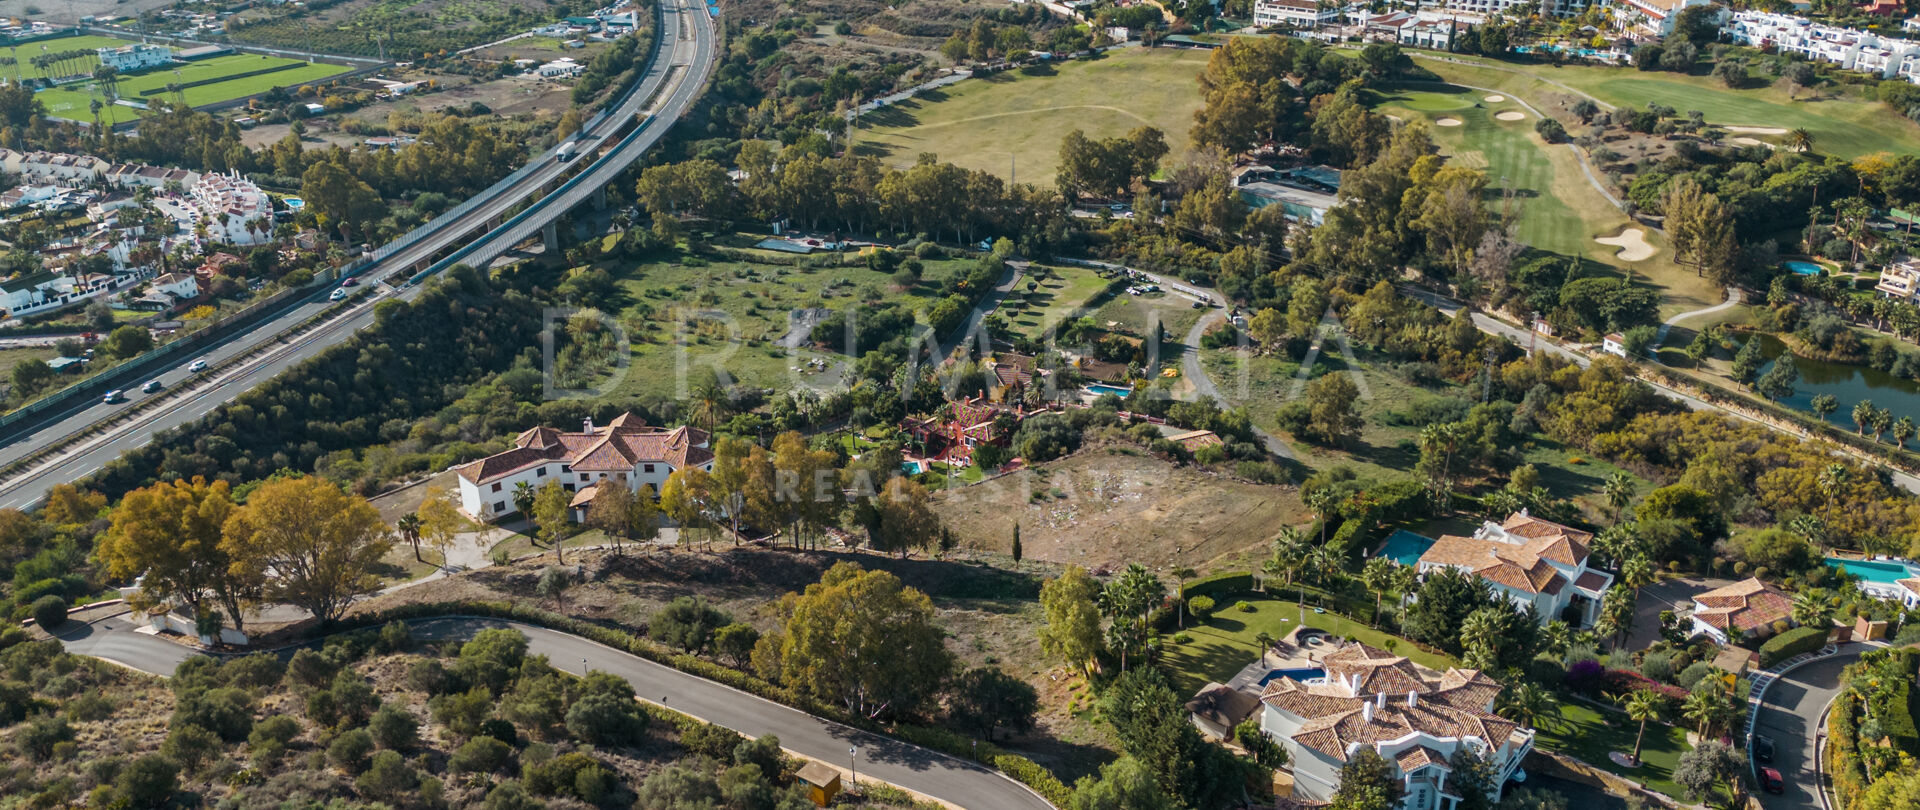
(1413, 717)
(624, 451)
(1302, 15)
(1900, 281)
(1530, 562)
(1749, 606)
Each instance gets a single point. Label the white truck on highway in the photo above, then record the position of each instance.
(566, 150)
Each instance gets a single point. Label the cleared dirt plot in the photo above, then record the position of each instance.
(1109, 505)
(1011, 124)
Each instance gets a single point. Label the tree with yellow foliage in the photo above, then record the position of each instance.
(320, 543)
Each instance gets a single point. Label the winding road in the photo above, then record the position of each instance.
(909, 767)
(1792, 715)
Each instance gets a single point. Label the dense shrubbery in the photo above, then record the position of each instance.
(1791, 643)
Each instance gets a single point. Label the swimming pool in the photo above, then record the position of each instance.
(1102, 388)
(1303, 674)
(1405, 547)
(913, 467)
(1886, 573)
(1802, 268)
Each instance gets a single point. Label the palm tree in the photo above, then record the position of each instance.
(1707, 705)
(1289, 554)
(1528, 705)
(1800, 139)
(1813, 607)
(523, 497)
(1902, 431)
(1637, 572)
(1320, 500)
(1862, 416)
(1619, 493)
(1325, 563)
(1556, 638)
(1834, 476)
(708, 404)
(1616, 613)
(1379, 575)
(1619, 542)
(409, 526)
(1405, 580)
(1644, 705)
(1810, 527)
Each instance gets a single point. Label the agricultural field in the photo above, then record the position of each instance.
(1011, 123)
(74, 101)
(401, 29)
(1843, 124)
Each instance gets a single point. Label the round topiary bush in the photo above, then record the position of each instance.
(49, 612)
(1201, 607)
(1244, 607)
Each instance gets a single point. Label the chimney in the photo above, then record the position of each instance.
(1366, 711)
(1413, 698)
(588, 427)
(1380, 700)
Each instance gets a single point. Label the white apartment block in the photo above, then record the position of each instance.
(1849, 48)
(1555, 8)
(1651, 16)
(234, 209)
(138, 56)
(1295, 14)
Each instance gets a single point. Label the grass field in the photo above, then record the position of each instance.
(1589, 734)
(1842, 125)
(72, 101)
(1012, 123)
(1226, 643)
(1558, 208)
(24, 54)
(1057, 297)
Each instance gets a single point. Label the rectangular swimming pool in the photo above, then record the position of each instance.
(1102, 388)
(1405, 547)
(1885, 573)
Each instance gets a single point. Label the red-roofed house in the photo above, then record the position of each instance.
(625, 450)
(1750, 605)
(1530, 562)
(960, 426)
(1413, 717)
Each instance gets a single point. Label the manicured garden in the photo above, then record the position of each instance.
(1591, 735)
(1229, 641)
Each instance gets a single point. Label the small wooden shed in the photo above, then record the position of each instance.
(823, 782)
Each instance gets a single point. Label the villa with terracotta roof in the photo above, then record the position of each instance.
(625, 450)
(1530, 562)
(1410, 715)
(1750, 605)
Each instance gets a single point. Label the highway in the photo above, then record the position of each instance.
(478, 231)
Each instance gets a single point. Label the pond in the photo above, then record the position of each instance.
(1847, 383)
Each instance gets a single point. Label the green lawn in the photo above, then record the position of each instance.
(73, 101)
(1590, 734)
(25, 53)
(1842, 124)
(1059, 296)
(1012, 123)
(1226, 643)
(13, 357)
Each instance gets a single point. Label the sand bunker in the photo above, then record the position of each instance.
(1495, 98)
(1448, 122)
(1758, 130)
(1632, 243)
(1511, 115)
(1749, 142)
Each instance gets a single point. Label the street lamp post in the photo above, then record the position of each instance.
(853, 763)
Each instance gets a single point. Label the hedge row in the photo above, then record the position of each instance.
(1843, 756)
(1222, 583)
(223, 78)
(1020, 768)
(1791, 643)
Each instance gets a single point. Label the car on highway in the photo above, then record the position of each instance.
(151, 386)
(116, 395)
(352, 281)
(1771, 781)
(197, 366)
(1762, 748)
(338, 294)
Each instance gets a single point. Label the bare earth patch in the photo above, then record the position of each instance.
(1105, 507)
(1448, 122)
(1632, 243)
(1511, 115)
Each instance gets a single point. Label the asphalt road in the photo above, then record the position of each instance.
(686, 55)
(1791, 716)
(907, 766)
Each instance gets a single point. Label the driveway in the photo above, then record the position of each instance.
(1196, 372)
(1667, 594)
(114, 639)
(1791, 716)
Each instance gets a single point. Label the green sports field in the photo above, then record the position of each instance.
(24, 55)
(1843, 123)
(72, 101)
(1012, 123)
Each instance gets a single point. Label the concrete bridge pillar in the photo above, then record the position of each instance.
(600, 199)
(550, 235)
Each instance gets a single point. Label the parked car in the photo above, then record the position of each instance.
(1771, 781)
(1762, 748)
(151, 386)
(338, 294)
(197, 366)
(116, 395)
